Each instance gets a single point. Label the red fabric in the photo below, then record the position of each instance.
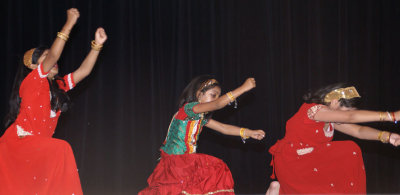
(192, 173)
(331, 167)
(37, 163)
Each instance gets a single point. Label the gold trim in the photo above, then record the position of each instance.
(345, 93)
(218, 191)
(207, 83)
(28, 57)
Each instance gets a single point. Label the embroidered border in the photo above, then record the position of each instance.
(218, 191)
(40, 71)
(21, 132)
(70, 83)
(304, 151)
(313, 110)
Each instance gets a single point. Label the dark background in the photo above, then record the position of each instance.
(121, 112)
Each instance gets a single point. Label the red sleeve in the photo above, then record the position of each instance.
(67, 83)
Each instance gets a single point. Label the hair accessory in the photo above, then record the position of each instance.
(28, 57)
(207, 83)
(345, 93)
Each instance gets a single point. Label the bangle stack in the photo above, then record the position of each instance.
(243, 135)
(96, 46)
(382, 138)
(232, 99)
(62, 36)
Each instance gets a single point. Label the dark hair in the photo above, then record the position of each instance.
(318, 96)
(189, 94)
(59, 99)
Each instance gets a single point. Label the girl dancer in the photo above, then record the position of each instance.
(307, 161)
(181, 170)
(32, 162)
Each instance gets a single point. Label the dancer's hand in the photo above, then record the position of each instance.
(72, 16)
(249, 84)
(256, 134)
(100, 36)
(394, 139)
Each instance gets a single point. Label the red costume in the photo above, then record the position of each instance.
(31, 161)
(307, 161)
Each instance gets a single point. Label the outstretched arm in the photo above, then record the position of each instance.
(224, 100)
(59, 43)
(368, 133)
(353, 116)
(87, 65)
(234, 130)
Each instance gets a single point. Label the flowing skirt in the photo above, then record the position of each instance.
(333, 167)
(37, 165)
(189, 174)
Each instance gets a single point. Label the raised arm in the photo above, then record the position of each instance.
(368, 133)
(354, 116)
(234, 130)
(87, 65)
(59, 43)
(224, 100)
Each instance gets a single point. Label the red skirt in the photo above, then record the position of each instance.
(189, 174)
(37, 165)
(331, 168)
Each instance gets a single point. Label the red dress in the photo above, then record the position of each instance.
(31, 161)
(307, 161)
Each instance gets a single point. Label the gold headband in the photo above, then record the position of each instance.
(208, 83)
(345, 93)
(28, 57)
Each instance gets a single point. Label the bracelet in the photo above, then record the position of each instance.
(230, 96)
(382, 117)
(231, 99)
(242, 135)
(390, 116)
(394, 118)
(96, 46)
(380, 137)
(62, 36)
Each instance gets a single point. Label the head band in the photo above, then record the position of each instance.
(28, 57)
(345, 93)
(208, 83)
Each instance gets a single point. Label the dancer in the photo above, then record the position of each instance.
(181, 170)
(31, 161)
(307, 161)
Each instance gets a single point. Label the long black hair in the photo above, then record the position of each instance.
(59, 99)
(189, 94)
(318, 96)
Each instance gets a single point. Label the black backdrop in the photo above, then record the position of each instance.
(122, 110)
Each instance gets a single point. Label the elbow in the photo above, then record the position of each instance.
(351, 118)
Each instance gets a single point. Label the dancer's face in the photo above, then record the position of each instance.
(209, 95)
(54, 71)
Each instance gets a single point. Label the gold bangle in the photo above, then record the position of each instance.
(62, 36)
(380, 137)
(242, 133)
(96, 46)
(230, 96)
